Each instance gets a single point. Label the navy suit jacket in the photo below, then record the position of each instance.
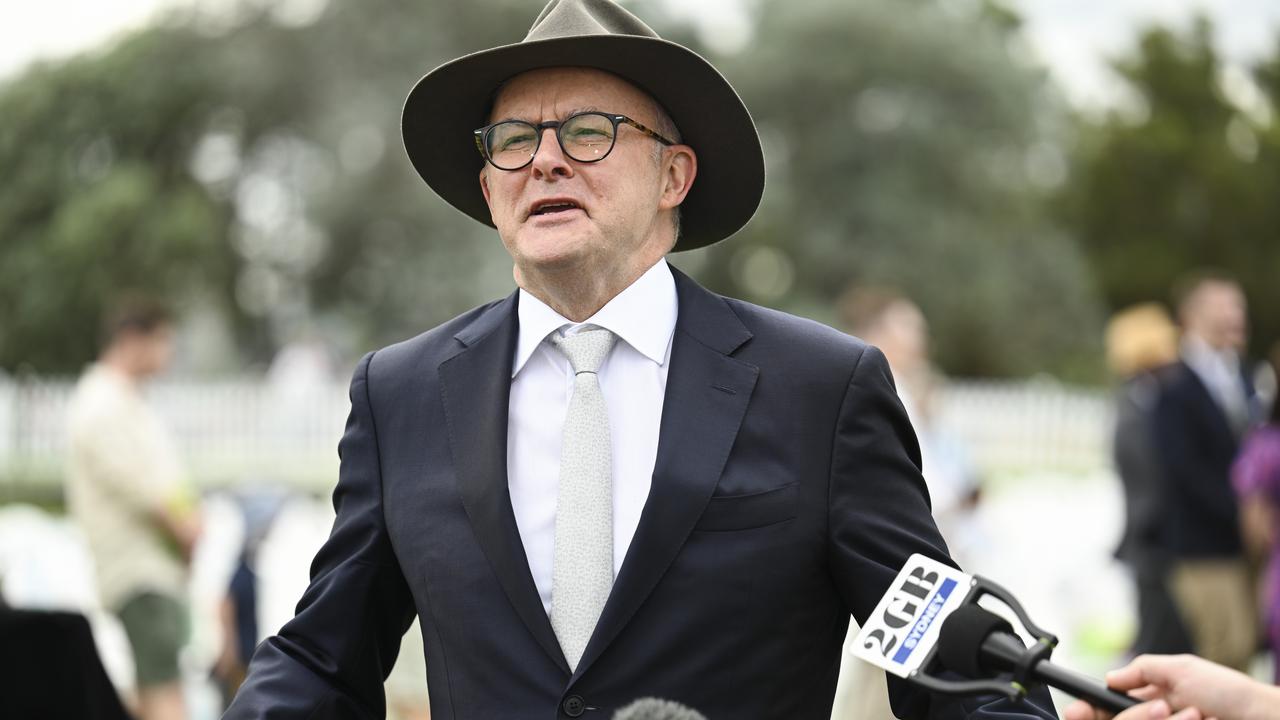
(1196, 446)
(786, 496)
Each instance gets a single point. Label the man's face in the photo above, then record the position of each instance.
(902, 335)
(1216, 312)
(910, 331)
(150, 352)
(617, 218)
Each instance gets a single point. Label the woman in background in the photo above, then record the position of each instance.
(1256, 476)
(1142, 343)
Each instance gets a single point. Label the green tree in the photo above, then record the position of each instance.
(249, 164)
(97, 195)
(1182, 179)
(908, 144)
(252, 164)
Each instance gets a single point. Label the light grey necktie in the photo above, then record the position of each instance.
(582, 569)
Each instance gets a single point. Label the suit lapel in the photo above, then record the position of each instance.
(476, 386)
(1209, 408)
(706, 398)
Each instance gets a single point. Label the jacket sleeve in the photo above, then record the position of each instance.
(331, 659)
(879, 515)
(1136, 462)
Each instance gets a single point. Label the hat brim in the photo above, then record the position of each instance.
(448, 103)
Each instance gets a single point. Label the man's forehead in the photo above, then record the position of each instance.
(1219, 290)
(1212, 295)
(548, 90)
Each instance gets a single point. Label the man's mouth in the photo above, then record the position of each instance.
(550, 207)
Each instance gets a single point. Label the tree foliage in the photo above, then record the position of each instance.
(910, 146)
(97, 195)
(251, 167)
(1183, 179)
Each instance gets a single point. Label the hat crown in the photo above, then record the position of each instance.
(569, 18)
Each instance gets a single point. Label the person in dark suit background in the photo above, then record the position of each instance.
(612, 483)
(1205, 407)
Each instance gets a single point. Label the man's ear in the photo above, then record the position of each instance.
(677, 176)
(484, 185)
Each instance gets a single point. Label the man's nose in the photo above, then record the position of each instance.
(550, 160)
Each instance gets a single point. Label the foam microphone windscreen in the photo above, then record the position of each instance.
(655, 709)
(961, 637)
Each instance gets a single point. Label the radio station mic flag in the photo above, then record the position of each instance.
(929, 623)
(902, 630)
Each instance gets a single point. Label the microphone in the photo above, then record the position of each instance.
(655, 709)
(930, 621)
(976, 642)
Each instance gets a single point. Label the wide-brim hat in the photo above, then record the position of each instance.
(451, 101)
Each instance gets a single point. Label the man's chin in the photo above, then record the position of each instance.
(543, 248)
(555, 264)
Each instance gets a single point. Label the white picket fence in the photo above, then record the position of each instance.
(229, 432)
(1030, 426)
(246, 430)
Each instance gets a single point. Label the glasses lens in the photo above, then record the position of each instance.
(587, 137)
(511, 144)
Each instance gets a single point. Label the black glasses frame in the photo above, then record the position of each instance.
(482, 136)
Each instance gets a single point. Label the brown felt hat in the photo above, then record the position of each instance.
(451, 101)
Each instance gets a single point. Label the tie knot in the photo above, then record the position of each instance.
(586, 350)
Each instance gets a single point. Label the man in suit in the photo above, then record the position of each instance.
(1205, 406)
(611, 484)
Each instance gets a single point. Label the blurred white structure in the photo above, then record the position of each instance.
(236, 430)
(228, 431)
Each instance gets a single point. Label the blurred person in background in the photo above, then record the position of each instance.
(238, 610)
(1142, 346)
(890, 321)
(128, 492)
(1204, 409)
(1256, 476)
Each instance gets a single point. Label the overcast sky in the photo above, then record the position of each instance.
(1073, 37)
(1076, 37)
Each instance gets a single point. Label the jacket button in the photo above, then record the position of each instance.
(574, 706)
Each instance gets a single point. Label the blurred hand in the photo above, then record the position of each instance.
(1258, 525)
(188, 529)
(184, 525)
(1185, 687)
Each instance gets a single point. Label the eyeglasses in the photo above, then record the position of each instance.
(585, 137)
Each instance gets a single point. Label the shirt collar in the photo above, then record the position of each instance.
(1205, 358)
(113, 376)
(643, 316)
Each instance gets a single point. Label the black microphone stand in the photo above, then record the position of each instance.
(1004, 652)
(1008, 653)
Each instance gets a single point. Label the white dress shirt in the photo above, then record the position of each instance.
(633, 380)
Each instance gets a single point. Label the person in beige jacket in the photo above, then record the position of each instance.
(127, 491)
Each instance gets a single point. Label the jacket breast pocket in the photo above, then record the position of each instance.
(743, 512)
